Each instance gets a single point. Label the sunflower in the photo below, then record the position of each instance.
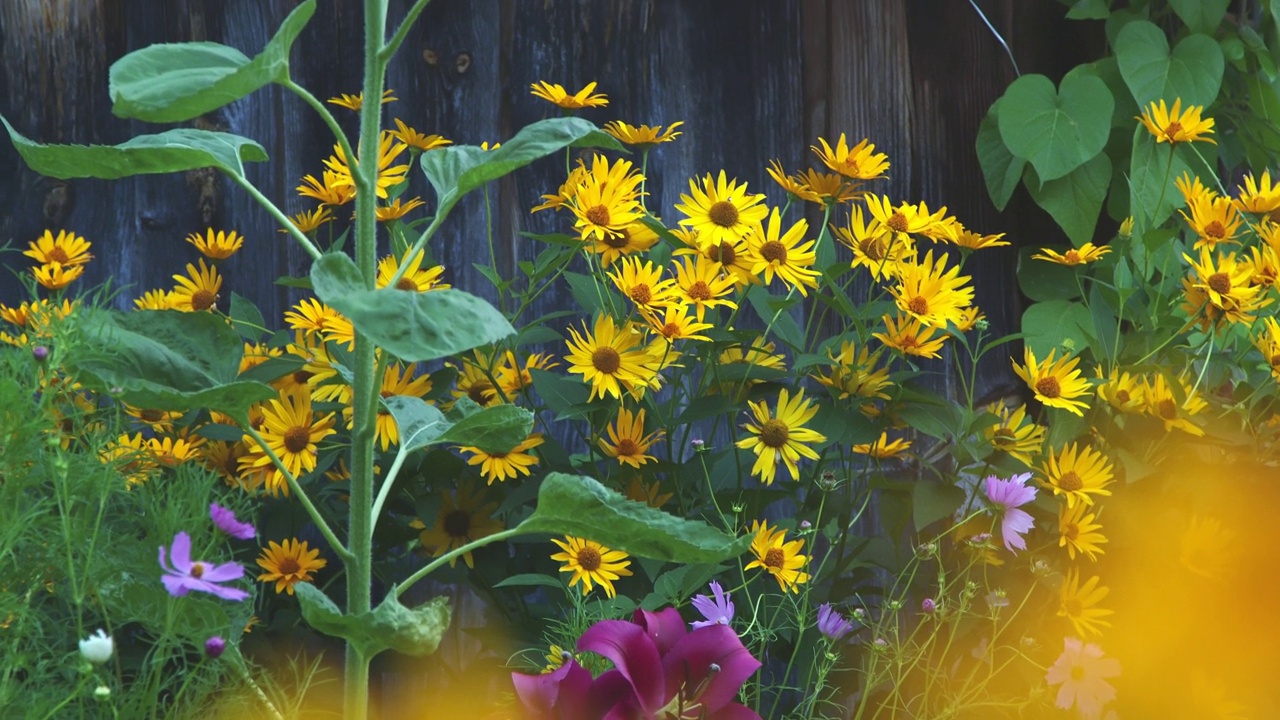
(634, 238)
(55, 275)
(591, 563)
(1083, 255)
(158, 421)
(1176, 126)
(331, 190)
(854, 373)
(308, 222)
(611, 359)
(417, 140)
(1015, 434)
(910, 337)
(475, 380)
(905, 218)
(292, 432)
(415, 278)
(781, 436)
(791, 184)
(1268, 343)
(720, 211)
(875, 247)
(777, 557)
(675, 324)
(1162, 403)
(557, 95)
(883, 448)
(1055, 383)
(311, 317)
(627, 442)
(1078, 604)
(642, 283)
(773, 252)
(463, 518)
(1078, 532)
(1077, 474)
(648, 493)
(701, 283)
(355, 102)
(216, 246)
(1223, 288)
(388, 175)
(568, 189)
(155, 300)
(1214, 221)
(1123, 391)
(502, 466)
(395, 210)
(514, 377)
(607, 200)
(289, 563)
(1258, 196)
(67, 249)
(642, 136)
(931, 293)
(198, 289)
(861, 162)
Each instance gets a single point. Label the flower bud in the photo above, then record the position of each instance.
(928, 606)
(101, 693)
(924, 551)
(40, 353)
(97, 648)
(214, 646)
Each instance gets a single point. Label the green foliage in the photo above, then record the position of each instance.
(1192, 71)
(1056, 131)
(1074, 200)
(390, 626)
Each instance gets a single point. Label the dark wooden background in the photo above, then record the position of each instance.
(752, 80)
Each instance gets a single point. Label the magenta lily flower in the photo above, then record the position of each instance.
(1008, 496)
(716, 612)
(559, 695)
(184, 575)
(227, 522)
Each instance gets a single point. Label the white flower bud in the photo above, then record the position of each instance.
(97, 648)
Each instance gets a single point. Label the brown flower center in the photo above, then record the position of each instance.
(897, 221)
(641, 294)
(202, 300)
(1219, 283)
(197, 570)
(1122, 396)
(699, 290)
(724, 253)
(151, 416)
(874, 248)
(606, 360)
(1173, 129)
(1071, 532)
(775, 558)
(1003, 437)
(774, 252)
(723, 214)
(1167, 409)
(1049, 387)
(774, 433)
(296, 439)
(628, 447)
(598, 215)
(618, 240)
(457, 524)
(302, 376)
(589, 559)
(407, 283)
(1215, 230)
(288, 566)
(1072, 257)
(918, 305)
(1070, 481)
(673, 330)
(59, 254)
(480, 392)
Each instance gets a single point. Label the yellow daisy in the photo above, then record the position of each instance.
(503, 466)
(464, 517)
(1193, 190)
(55, 275)
(514, 377)
(642, 283)
(417, 140)
(198, 289)
(1123, 391)
(883, 448)
(776, 556)
(1223, 287)
(675, 324)
(1015, 434)
(720, 211)
(627, 442)
(854, 373)
(909, 336)
(355, 102)
(289, 563)
(781, 437)
(1176, 125)
(1077, 474)
(758, 354)
(591, 563)
(931, 293)
(171, 452)
(860, 162)
(1162, 403)
(1258, 196)
(292, 432)
(607, 200)
(565, 194)
(395, 381)
(310, 316)
(1214, 221)
(67, 249)
(642, 136)
(881, 251)
(702, 283)
(129, 456)
(1055, 383)
(634, 238)
(415, 279)
(396, 210)
(216, 246)
(155, 300)
(1078, 532)
(612, 359)
(975, 241)
(1083, 255)
(905, 218)
(648, 493)
(791, 184)
(557, 95)
(330, 190)
(1078, 603)
(308, 222)
(773, 252)
(389, 149)
(1268, 343)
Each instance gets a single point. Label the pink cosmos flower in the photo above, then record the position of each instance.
(1082, 671)
(226, 521)
(184, 575)
(1009, 495)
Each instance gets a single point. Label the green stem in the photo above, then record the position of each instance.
(301, 494)
(452, 554)
(279, 216)
(325, 115)
(385, 52)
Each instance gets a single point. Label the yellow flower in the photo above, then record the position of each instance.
(931, 293)
(910, 337)
(813, 186)
(289, 563)
(854, 373)
(567, 190)
(464, 517)
(675, 324)
(487, 147)
(415, 279)
(642, 283)
(513, 377)
(861, 162)
(1162, 403)
(642, 136)
(781, 437)
(331, 191)
(883, 448)
(55, 275)
(129, 456)
(388, 175)
(1214, 221)
(160, 421)
(1077, 474)
(1126, 228)
(502, 466)
(1258, 196)
(417, 140)
(223, 458)
(792, 185)
(557, 95)
(292, 432)
(67, 249)
(1123, 391)
(154, 300)
(905, 218)
(1209, 549)
(1078, 532)
(1015, 434)
(633, 238)
(969, 318)
(875, 247)
(395, 210)
(1224, 285)
(1176, 126)
(627, 442)
(1083, 255)
(611, 359)
(1056, 384)
(355, 102)
(309, 222)
(607, 200)
(1268, 343)
(591, 563)
(648, 493)
(720, 211)
(1078, 603)
(198, 289)
(311, 316)
(1264, 266)
(773, 252)
(1193, 191)
(776, 556)
(759, 354)
(975, 241)
(219, 246)
(701, 283)
(395, 381)
(172, 452)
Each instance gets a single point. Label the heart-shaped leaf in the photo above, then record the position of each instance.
(1075, 200)
(1056, 131)
(1001, 169)
(1192, 72)
(1047, 324)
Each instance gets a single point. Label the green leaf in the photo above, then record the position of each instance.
(1047, 324)
(494, 429)
(1152, 170)
(1201, 15)
(588, 292)
(165, 360)
(579, 506)
(273, 369)
(560, 393)
(173, 82)
(531, 580)
(456, 170)
(775, 312)
(1001, 169)
(1089, 10)
(932, 417)
(415, 632)
(1192, 72)
(413, 326)
(1075, 201)
(1056, 131)
(932, 501)
(168, 152)
(420, 424)
(1043, 280)
(247, 317)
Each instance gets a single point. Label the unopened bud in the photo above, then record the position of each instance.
(40, 353)
(928, 606)
(101, 693)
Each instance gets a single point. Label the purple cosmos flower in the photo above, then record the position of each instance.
(226, 521)
(832, 624)
(214, 646)
(1009, 495)
(716, 612)
(185, 575)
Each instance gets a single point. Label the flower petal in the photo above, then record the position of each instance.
(634, 654)
(181, 553)
(689, 661)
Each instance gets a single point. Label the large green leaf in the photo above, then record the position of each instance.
(1075, 200)
(456, 170)
(580, 506)
(1201, 15)
(419, 423)
(390, 626)
(1001, 169)
(1056, 131)
(1047, 324)
(168, 152)
(494, 429)
(414, 326)
(173, 82)
(1192, 72)
(1152, 169)
(165, 360)
(932, 501)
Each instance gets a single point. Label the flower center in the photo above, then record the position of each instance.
(918, 305)
(606, 360)
(1049, 387)
(480, 392)
(723, 214)
(699, 290)
(297, 438)
(723, 254)
(1173, 129)
(288, 566)
(875, 248)
(1215, 230)
(1071, 532)
(628, 447)
(407, 283)
(589, 559)
(1003, 437)
(673, 330)
(1070, 481)
(618, 240)
(598, 215)
(641, 294)
(1122, 396)
(775, 558)
(151, 416)
(1073, 607)
(774, 433)
(774, 252)
(301, 377)
(897, 221)
(1219, 283)
(1072, 257)
(197, 570)
(457, 523)
(1078, 673)
(59, 254)
(202, 300)
(1168, 409)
